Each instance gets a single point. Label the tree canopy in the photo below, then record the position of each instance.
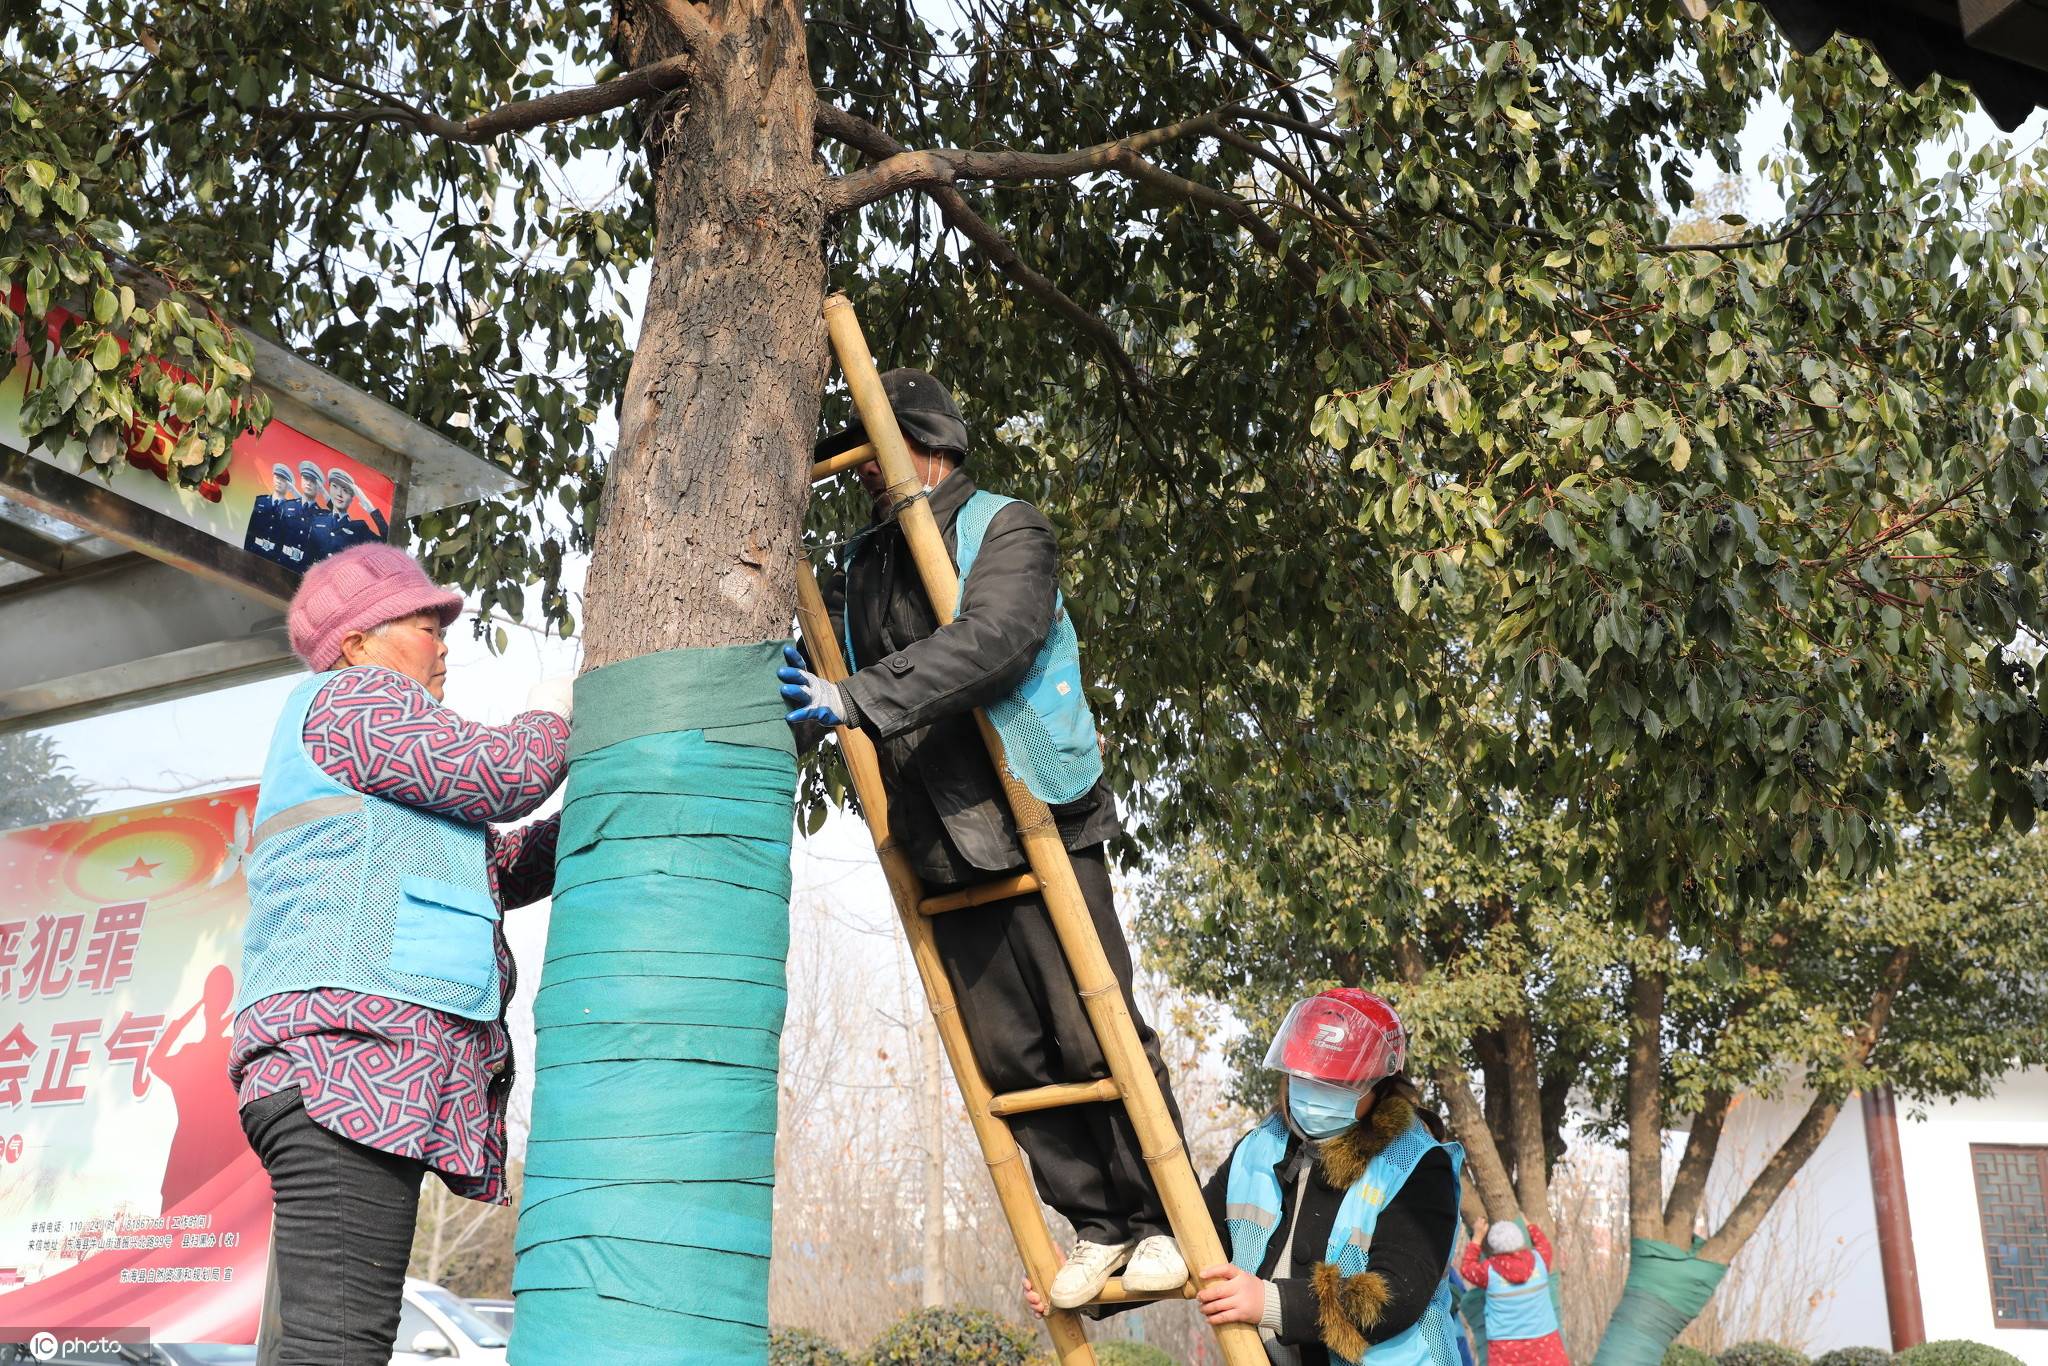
(1354, 357)
(1419, 477)
(1924, 978)
(36, 786)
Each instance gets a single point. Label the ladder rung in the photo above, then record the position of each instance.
(846, 460)
(1053, 1097)
(1113, 1292)
(1021, 885)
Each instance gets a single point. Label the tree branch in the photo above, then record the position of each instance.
(1689, 1186)
(1749, 1212)
(1244, 113)
(654, 79)
(1468, 1120)
(1250, 49)
(945, 165)
(1328, 201)
(1755, 1205)
(858, 133)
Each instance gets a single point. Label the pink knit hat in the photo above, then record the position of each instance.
(361, 588)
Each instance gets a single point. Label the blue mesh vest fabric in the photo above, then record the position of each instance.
(354, 892)
(1252, 1213)
(1047, 728)
(1048, 731)
(1518, 1312)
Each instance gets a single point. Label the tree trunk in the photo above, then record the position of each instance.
(1645, 1103)
(699, 532)
(650, 1175)
(1525, 1121)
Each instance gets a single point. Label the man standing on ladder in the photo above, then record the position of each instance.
(913, 688)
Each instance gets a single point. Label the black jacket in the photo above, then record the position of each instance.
(1411, 1244)
(915, 686)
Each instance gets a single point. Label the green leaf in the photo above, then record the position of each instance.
(1559, 529)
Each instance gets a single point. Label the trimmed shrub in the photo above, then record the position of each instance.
(1761, 1354)
(944, 1337)
(1854, 1356)
(1129, 1354)
(1678, 1354)
(796, 1347)
(1955, 1352)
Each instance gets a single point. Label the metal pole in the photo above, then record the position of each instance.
(1894, 1220)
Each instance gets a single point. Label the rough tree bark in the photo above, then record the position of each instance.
(698, 533)
(1645, 1102)
(1525, 1120)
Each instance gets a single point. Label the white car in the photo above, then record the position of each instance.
(497, 1313)
(438, 1328)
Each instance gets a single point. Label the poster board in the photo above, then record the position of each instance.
(131, 1206)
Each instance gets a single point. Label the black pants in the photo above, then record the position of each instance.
(1027, 1026)
(342, 1240)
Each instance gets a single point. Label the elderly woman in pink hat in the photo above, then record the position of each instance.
(369, 1044)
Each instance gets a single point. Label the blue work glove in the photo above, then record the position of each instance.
(810, 697)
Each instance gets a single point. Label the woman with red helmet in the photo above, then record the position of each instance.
(1340, 1209)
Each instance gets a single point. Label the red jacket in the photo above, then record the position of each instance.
(1514, 1267)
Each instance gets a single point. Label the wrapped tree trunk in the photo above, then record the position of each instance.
(645, 1233)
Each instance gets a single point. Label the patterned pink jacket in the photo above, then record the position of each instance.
(396, 1076)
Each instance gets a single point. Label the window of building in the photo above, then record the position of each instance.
(2012, 1201)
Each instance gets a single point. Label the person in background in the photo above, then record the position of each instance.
(1340, 1209)
(339, 530)
(913, 688)
(369, 1043)
(1521, 1317)
(265, 518)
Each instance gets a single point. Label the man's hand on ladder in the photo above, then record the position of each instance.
(810, 697)
(1032, 1299)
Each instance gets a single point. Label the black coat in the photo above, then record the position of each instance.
(915, 685)
(1411, 1243)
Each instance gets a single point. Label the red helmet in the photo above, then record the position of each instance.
(1345, 1037)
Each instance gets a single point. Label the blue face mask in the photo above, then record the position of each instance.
(1319, 1109)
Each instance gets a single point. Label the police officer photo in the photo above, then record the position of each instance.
(265, 518)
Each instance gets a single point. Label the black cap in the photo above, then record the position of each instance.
(924, 410)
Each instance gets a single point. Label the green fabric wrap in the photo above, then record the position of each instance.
(644, 1229)
(1666, 1289)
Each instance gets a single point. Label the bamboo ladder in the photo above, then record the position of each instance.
(1052, 876)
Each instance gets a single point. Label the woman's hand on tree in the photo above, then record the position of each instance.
(1033, 1299)
(1230, 1294)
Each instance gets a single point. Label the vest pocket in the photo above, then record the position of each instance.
(444, 930)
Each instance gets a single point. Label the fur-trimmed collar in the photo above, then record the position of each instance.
(1342, 1160)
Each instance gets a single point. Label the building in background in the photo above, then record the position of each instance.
(1975, 1177)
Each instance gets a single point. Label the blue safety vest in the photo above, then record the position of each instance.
(1515, 1313)
(1047, 728)
(351, 891)
(1254, 1214)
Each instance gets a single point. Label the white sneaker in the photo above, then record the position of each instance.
(1157, 1266)
(1086, 1272)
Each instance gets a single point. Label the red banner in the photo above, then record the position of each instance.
(130, 1204)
